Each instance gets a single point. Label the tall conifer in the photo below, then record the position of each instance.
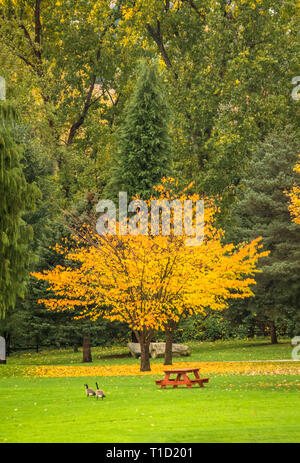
(144, 147)
(262, 210)
(16, 196)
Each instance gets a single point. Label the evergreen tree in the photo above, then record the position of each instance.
(262, 210)
(29, 324)
(144, 147)
(46, 223)
(17, 196)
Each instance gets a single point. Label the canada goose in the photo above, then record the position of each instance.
(89, 391)
(99, 393)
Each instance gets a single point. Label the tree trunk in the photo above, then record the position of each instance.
(87, 355)
(144, 338)
(273, 333)
(133, 337)
(7, 342)
(169, 344)
(145, 355)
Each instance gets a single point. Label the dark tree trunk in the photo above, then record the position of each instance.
(273, 333)
(169, 344)
(87, 355)
(144, 339)
(75, 347)
(7, 338)
(133, 337)
(145, 355)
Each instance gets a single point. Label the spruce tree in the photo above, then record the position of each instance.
(143, 142)
(262, 210)
(17, 196)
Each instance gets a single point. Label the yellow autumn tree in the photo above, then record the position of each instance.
(151, 281)
(295, 198)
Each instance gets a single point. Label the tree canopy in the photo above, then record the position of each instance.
(146, 280)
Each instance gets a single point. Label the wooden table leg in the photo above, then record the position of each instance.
(166, 378)
(177, 379)
(187, 380)
(198, 377)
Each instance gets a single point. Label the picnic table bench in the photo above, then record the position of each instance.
(181, 378)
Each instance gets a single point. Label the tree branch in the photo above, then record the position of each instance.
(193, 6)
(37, 21)
(81, 119)
(87, 103)
(158, 39)
(38, 27)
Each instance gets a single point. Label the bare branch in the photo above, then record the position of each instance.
(158, 39)
(81, 119)
(37, 21)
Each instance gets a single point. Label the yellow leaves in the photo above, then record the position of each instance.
(146, 281)
(37, 96)
(206, 368)
(14, 77)
(127, 13)
(294, 195)
(245, 52)
(190, 185)
(132, 25)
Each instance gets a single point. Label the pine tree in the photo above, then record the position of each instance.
(144, 147)
(17, 196)
(262, 210)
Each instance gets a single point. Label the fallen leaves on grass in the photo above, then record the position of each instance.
(206, 368)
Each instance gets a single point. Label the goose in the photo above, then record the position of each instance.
(99, 393)
(89, 391)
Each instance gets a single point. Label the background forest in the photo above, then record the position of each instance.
(219, 75)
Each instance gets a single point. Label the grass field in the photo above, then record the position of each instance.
(257, 349)
(231, 408)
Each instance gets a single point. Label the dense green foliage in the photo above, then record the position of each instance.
(17, 196)
(262, 210)
(143, 142)
(229, 66)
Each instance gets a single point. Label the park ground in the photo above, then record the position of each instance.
(252, 396)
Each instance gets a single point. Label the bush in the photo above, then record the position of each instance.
(209, 328)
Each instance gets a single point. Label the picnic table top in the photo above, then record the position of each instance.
(182, 370)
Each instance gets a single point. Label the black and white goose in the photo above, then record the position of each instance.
(99, 393)
(89, 391)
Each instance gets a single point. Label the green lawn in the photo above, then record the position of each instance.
(228, 409)
(257, 349)
(231, 408)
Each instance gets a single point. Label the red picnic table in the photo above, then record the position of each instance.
(181, 373)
